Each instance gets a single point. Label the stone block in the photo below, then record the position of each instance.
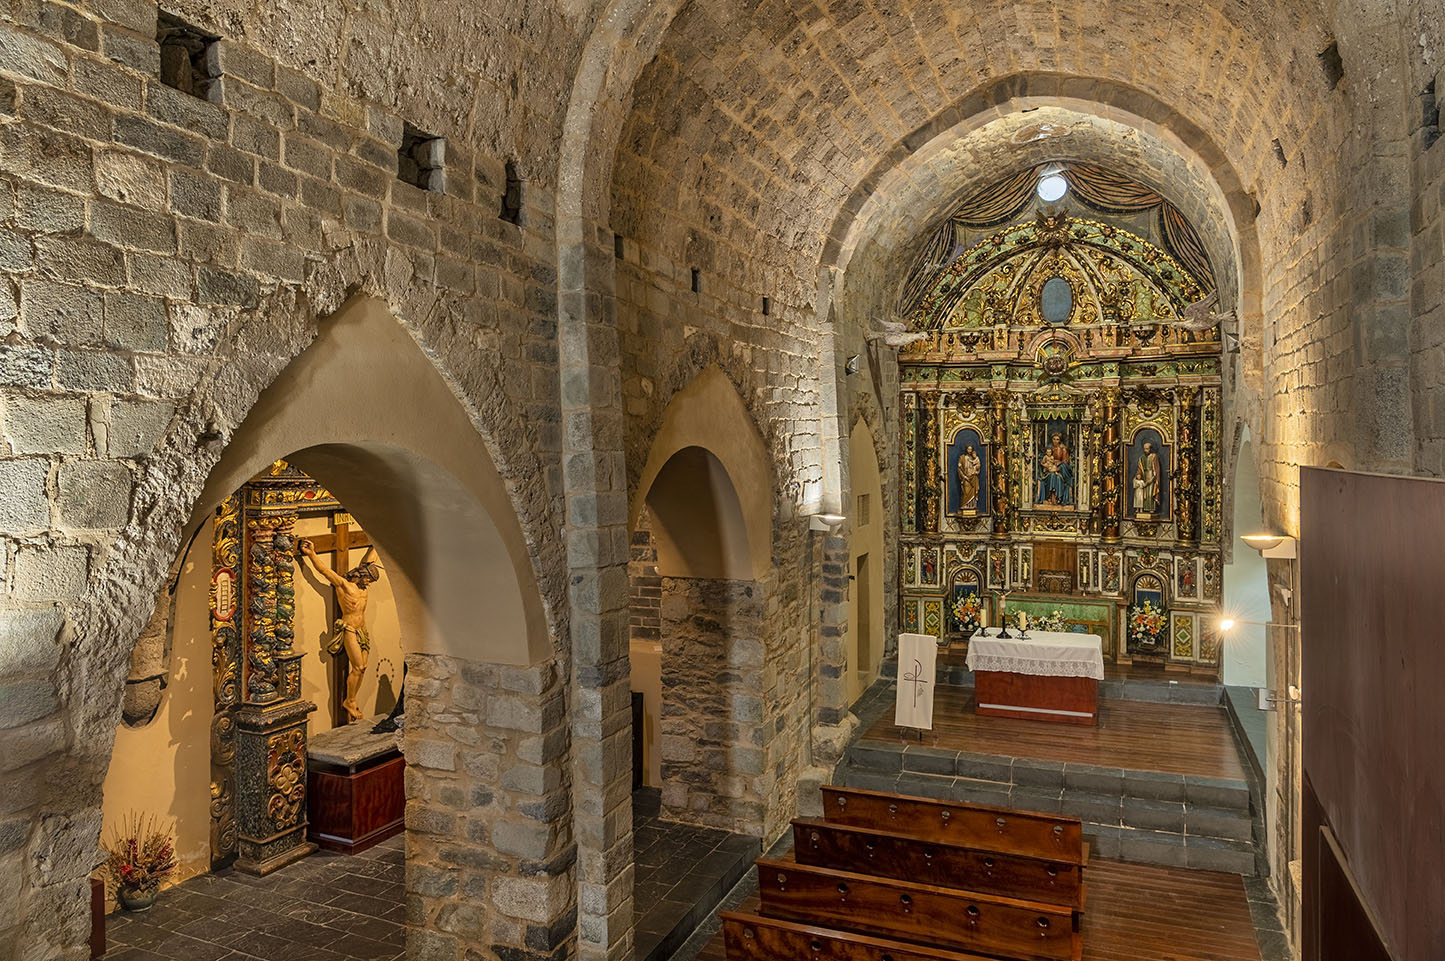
(55, 573)
(93, 370)
(80, 260)
(1094, 779)
(1218, 823)
(131, 227)
(1037, 773)
(930, 760)
(1152, 847)
(298, 88)
(876, 757)
(437, 755)
(1154, 784)
(135, 321)
(162, 276)
(94, 494)
(45, 424)
(524, 839)
(33, 57)
(129, 178)
(16, 253)
(68, 26)
(139, 51)
(105, 81)
(25, 505)
(231, 164)
(28, 642)
(1106, 809)
(216, 286)
(1154, 815)
(227, 58)
(193, 194)
(48, 211)
(25, 366)
(161, 141)
(136, 426)
(46, 156)
(61, 111)
(985, 767)
(532, 899)
(1207, 854)
(22, 702)
(65, 313)
(1216, 792)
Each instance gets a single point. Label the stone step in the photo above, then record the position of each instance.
(1160, 690)
(892, 757)
(1143, 830)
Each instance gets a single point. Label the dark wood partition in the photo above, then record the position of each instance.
(1372, 567)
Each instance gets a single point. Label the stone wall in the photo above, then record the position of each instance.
(490, 855)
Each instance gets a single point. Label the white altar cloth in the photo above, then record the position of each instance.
(1050, 653)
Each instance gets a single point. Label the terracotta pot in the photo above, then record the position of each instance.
(137, 899)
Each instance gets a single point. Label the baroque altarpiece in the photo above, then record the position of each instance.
(1061, 420)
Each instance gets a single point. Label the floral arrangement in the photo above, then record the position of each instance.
(1052, 621)
(140, 854)
(1146, 624)
(968, 612)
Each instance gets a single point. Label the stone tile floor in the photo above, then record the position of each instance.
(325, 907)
(682, 872)
(329, 906)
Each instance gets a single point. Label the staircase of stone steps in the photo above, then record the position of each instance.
(1142, 816)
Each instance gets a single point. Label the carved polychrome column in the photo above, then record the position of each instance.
(998, 475)
(270, 765)
(909, 414)
(928, 464)
(225, 676)
(1209, 459)
(1186, 487)
(1111, 505)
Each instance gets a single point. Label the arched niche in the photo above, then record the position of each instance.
(866, 641)
(364, 412)
(723, 480)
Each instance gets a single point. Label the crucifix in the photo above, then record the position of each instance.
(339, 544)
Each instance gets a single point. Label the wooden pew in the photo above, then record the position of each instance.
(749, 937)
(923, 913)
(844, 847)
(1052, 837)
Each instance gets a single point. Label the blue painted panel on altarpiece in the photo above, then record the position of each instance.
(1152, 500)
(964, 439)
(1055, 453)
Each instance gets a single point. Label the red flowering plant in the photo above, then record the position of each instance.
(1146, 624)
(140, 854)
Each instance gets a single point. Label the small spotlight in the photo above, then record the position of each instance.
(1226, 624)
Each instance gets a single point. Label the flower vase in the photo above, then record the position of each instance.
(137, 899)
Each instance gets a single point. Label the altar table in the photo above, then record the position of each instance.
(355, 795)
(1048, 676)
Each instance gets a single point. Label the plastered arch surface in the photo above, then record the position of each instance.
(709, 414)
(364, 411)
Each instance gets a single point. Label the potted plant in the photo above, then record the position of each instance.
(1146, 625)
(1053, 621)
(140, 855)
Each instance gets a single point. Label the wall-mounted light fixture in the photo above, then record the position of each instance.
(850, 366)
(1280, 546)
(1265, 699)
(825, 522)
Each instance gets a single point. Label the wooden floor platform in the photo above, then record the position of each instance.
(1138, 912)
(1138, 735)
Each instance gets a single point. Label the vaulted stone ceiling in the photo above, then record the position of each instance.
(762, 123)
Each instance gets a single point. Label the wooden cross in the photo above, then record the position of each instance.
(339, 545)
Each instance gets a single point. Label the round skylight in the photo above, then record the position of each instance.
(1052, 187)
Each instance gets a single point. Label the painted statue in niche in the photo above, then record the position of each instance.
(1055, 465)
(1148, 475)
(928, 559)
(968, 478)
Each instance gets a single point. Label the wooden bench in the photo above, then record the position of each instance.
(911, 911)
(1051, 837)
(941, 863)
(749, 937)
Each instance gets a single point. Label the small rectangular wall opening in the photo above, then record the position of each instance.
(767, 306)
(617, 246)
(696, 281)
(1429, 115)
(1332, 65)
(184, 47)
(512, 196)
(421, 159)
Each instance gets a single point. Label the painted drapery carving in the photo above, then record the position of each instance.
(1060, 420)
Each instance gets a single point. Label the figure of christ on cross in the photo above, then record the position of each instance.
(350, 629)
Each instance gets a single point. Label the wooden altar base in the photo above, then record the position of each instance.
(355, 795)
(1031, 697)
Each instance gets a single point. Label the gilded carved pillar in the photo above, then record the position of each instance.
(909, 414)
(998, 475)
(270, 725)
(1209, 459)
(1111, 504)
(1186, 485)
(929, 469)
(225, 676)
